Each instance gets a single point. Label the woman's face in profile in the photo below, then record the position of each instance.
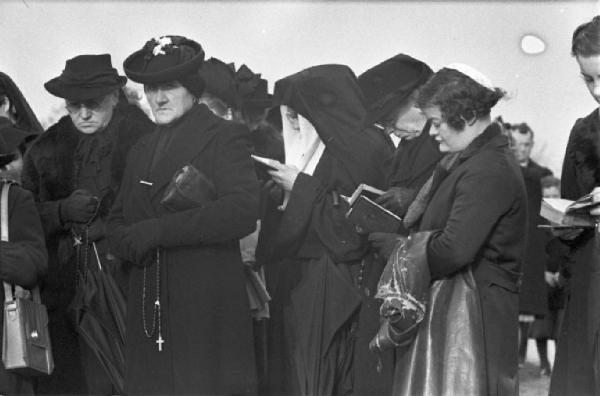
(450, 139)
(590, 72)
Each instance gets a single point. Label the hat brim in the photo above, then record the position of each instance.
(136, 61)
(81, 92)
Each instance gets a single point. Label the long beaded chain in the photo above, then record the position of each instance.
(81, 268)
(156, 312)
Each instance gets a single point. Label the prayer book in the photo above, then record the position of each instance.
(368, 215)
(564, 213)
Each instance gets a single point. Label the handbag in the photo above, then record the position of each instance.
(189, 188)
(404, 289)
(25, 340)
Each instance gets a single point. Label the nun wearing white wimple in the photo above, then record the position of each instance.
(476, 217)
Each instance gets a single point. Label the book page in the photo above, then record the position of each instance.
(361, 189)
(558, 204)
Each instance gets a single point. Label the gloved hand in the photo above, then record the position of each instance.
(96, 230)
(79, 207)
(385, 242)
(139, 240)
(397, 199)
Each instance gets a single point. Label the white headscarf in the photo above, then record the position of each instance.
(303, 147)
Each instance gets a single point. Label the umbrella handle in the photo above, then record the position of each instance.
(97, 255)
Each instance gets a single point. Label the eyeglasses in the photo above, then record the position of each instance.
(400, 132)
(91, 105)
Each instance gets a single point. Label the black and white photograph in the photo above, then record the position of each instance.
(300, 197)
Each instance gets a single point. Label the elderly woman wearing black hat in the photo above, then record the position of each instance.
(188, 195)
(390, 89)
(23, 259)
(74, 170)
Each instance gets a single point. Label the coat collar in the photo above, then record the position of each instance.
(584, 151)
(490, 138)
(190, 135)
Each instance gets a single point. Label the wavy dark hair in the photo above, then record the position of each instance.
(586, 38)
(460, 98)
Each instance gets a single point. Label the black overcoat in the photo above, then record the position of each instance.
(533, 291)
(478, 217)
(573, 371)
(23, 261)
(205, 316)
(49, 173)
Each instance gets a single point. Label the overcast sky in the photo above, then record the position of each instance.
(280, 38)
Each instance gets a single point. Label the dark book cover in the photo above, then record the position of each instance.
(371, 217)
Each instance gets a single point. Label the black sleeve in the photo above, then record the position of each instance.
(48, 210)
(475, 211)
(23, 260)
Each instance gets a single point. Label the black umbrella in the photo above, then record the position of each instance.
(99, 311)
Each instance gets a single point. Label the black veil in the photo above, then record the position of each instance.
(25, 118)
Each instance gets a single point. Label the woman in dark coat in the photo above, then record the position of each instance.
(577, 370)
(189, 329)
(314, 262)
(72, 167)
(477, 219)
(23, 259)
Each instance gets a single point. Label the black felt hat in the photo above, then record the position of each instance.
(86, 77)
(220, 81)
(386, 85)
(252, 89)
(167, 58)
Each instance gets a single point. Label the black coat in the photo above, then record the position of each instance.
(573, 372)
(205, 316)
(414, 161)
(533, 291)
(23, 261)
(478, 218)
(49, 173)
(312, 253)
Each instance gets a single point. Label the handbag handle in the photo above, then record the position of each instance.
(8, 294)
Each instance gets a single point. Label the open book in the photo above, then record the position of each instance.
(368, 215)
(564, 213)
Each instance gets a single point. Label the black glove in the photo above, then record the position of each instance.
(385, 242)
(79, 207)
(397, 199)
(96, 230)
(139, 240)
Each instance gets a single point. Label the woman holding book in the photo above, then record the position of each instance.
(312, 252)
(577, 369)
(476, 219)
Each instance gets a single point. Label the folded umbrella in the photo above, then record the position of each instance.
(98, 308)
